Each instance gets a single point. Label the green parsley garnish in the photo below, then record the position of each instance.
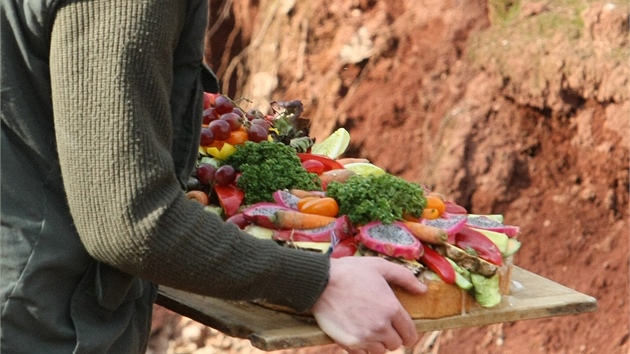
(266, 167)
(377, 197)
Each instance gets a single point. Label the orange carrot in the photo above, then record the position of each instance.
(426, 233)
(300, 193)
(336, 176)
(293, 219)
(347, 160)
(199, 196)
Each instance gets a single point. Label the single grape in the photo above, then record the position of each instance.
(221, 129)
(257, 133)
(209, 115)
(207, 137)
(193, 183)
(261, 121)
(239, 112)
(206, 174)
(223, 105)
(253, 114)
(233, 119)
(225, 175)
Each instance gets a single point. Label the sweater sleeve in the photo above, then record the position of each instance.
(111, 80)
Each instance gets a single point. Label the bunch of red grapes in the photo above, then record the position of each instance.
(225, 122)
(221, 117)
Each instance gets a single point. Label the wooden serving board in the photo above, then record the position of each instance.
(532, 297)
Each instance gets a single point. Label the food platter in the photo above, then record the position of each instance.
(350, 207)
(532, 297)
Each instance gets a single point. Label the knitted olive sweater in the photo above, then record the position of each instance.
(112, 79)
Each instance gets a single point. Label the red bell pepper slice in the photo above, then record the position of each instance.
(329, 164)
(344, 248)
(437, 263)
(230, 197)
(314, 166)
(467, 238)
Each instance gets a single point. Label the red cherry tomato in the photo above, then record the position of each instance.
(208, 99)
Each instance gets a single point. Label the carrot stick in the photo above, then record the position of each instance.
(426, 233)
(199, 196)
(293, 219)
(336, 176)
(300, 193)
(347, 160)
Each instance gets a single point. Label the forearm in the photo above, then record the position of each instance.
(111, 82)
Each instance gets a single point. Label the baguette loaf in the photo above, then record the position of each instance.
(440, 300)
(444, 300)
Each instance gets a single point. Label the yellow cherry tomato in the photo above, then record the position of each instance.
(325, 206)
(435, 202)
(430, 213)
(304, 200)
(237, 137)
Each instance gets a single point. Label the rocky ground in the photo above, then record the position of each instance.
(507, 106)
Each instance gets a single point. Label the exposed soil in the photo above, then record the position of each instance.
(519, 108)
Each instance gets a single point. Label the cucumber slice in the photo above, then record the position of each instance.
(431, 275)
(260, 232)
(513, 245)
(487, 292)
(498, 238)
(462, 282)
(462, 276)
(213, 209)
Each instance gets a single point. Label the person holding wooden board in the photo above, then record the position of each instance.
(101, 109)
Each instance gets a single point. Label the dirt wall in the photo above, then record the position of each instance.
(520, 108)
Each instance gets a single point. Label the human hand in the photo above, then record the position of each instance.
(359, 310)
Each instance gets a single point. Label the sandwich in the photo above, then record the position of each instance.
(464, 259)
(271, 179)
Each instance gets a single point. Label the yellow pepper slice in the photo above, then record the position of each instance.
(222, 154)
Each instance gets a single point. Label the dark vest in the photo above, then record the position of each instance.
(55, 298)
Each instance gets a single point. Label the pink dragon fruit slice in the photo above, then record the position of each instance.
(238, 219)
(334, 232)
(454, 208)
(286, 199)
(260, 213)
(451, 223)
(393, 240)
(485, 223)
